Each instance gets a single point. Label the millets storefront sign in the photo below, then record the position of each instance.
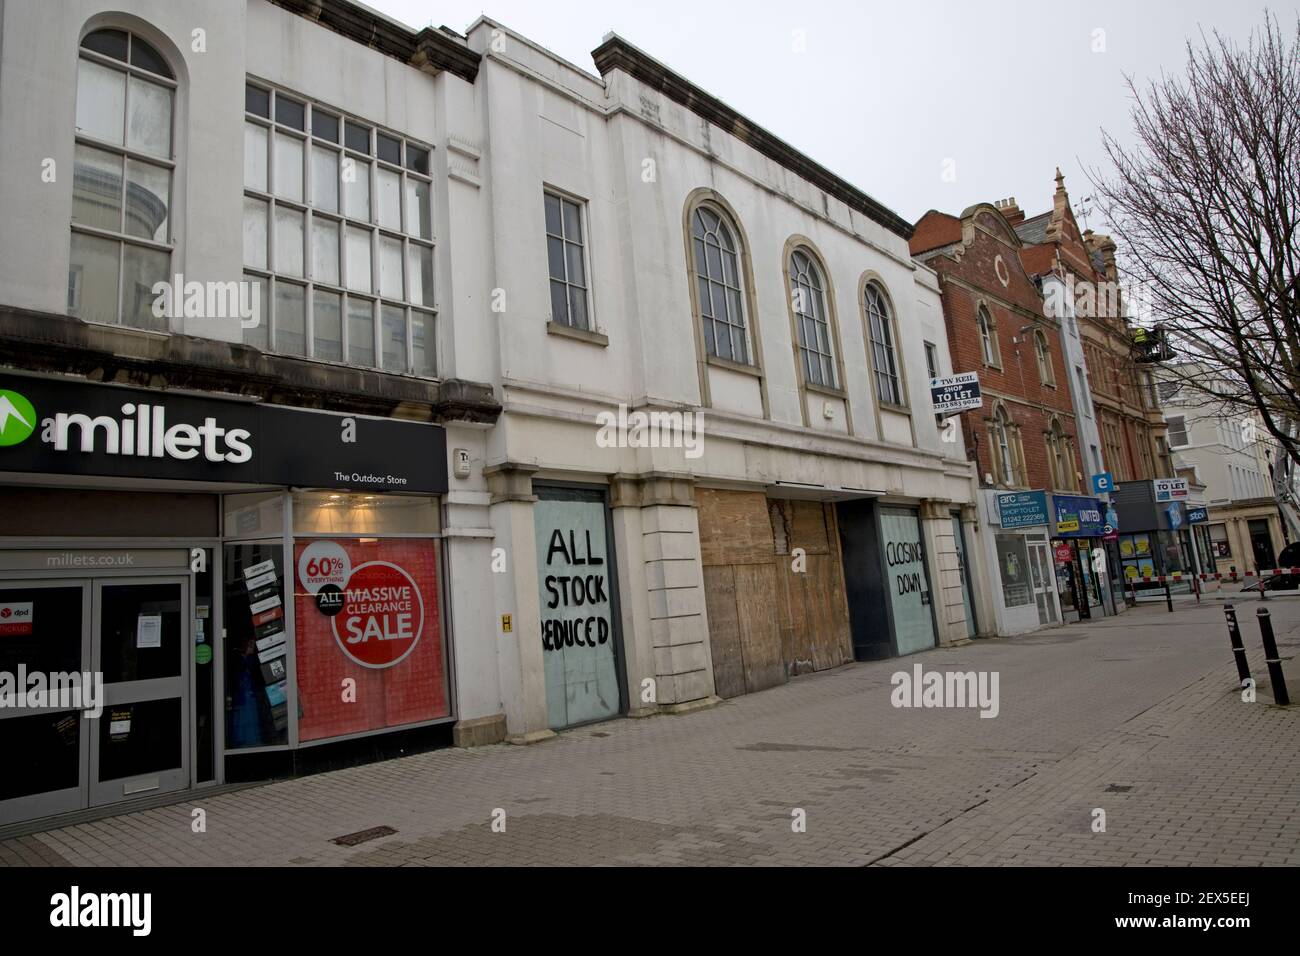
(52, 426)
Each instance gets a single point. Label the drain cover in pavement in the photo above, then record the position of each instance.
(363, 836)
(1118, 788)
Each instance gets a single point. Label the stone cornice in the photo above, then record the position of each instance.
(430, 50)
(617, 54)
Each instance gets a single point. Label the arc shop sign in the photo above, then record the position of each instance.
(53, 426)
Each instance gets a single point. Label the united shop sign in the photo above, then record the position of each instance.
(50, 426)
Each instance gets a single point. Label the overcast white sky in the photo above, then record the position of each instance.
(884, 92)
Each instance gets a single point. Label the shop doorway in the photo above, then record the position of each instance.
(138, 641)
(1261, 543)
(1044, 581)
(963, 568)
(581, 655)
(133, 631)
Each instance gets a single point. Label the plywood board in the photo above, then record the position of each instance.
(724, 632)
(808, 526)
(734, 527)
(760, 634)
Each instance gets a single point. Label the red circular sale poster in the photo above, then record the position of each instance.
(382, 616)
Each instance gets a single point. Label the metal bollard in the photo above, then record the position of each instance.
(1169, 596)
(1275, 675)
(1238, 648)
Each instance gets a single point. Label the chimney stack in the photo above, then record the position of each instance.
(1010, 210)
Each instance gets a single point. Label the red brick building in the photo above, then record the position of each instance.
(1024, 436)
(1131, 426)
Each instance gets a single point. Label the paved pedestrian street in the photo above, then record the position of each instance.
(1138, 716)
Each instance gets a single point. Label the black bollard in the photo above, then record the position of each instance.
(1238, 648)
(1275, 675)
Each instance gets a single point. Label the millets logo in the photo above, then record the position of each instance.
(143, 432)
(17, 418)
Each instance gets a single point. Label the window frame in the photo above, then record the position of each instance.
(831, 357)
(120, 237)
(1060, 458)
(727, 222)
(887, 321)
(344, 222)
(990, 347)
(585, 225)
(1043, 357)
(1182, 428)
(1002, 441)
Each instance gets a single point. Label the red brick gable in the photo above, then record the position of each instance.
(933, 230)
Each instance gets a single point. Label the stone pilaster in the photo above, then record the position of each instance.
(523, 675)
(664, 623)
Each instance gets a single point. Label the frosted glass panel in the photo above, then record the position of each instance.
(390, 267)
(254, 233)
(288, 241)
(149, 126)
(325, 250)
(417, 209)
(288, 167)
(390, 199)
(101, 101)
(356, 189)
(325, 179)
(421, 269)
(92, 278)
(358, 253)
(255, 157)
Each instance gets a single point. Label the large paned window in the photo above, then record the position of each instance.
(812, 322)
(720, 287)
(566, 257)
(884, 356)
(1002, 431)
(1061, 458)
(338, 229)
(122, 181)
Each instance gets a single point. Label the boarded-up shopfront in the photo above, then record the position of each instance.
(774, 589)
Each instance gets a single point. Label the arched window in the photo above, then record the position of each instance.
(988, 338)
(884, 356)
(1059, 457)
(719, 285)
(1043, 355)
(123, 173)
(1004, 458)
(808, 298)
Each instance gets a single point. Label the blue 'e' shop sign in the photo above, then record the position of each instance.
(1022, 509)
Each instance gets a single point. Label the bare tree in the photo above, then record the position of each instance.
(1206, 207)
